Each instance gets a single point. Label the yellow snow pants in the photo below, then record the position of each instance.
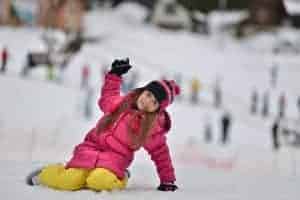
(56, 176)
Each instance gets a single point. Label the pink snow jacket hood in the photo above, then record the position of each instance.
(112, 150)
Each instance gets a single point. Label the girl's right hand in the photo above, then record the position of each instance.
(120, 67)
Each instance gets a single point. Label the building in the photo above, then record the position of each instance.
(263, 15)
(293, 9)
(7, 15)
(267, 12)
(66, 15)
(171, 15)
(62, 14)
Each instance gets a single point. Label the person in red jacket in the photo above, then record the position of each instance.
(136, 120)
(4, 57)
(85, 74)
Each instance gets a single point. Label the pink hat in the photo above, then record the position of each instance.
(164, 91)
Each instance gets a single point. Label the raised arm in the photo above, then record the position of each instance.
(110, 93)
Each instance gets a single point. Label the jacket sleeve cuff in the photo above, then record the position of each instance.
(113, 77)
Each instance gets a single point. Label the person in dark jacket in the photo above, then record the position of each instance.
(265, 106)
(225, 124)
(275, 129)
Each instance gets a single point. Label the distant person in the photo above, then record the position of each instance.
(50, 72)
(266, 104)
(274, 75)
(207, 132)
(298, 103)
(103, 71)
(85, 75)
(4, 59)
(275, 140)
(62, 67)
(88, 100)
(254, 102)
(178, 79)
(195, 88)
(217, 94)
(29, 64)
(282, 105)
(225, 126)
(34, 60)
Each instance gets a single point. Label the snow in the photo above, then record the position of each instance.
(292, 6)
(219, 19)
(41, 121)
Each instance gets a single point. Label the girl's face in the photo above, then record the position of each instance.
(147, 102)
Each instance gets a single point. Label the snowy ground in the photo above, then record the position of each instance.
(40, 121)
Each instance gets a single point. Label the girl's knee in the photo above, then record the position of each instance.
(103, 179)
(73, 179)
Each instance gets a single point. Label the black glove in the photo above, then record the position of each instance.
(120, 67)
(167, 187)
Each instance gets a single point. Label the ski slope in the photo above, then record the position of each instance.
(41, 121)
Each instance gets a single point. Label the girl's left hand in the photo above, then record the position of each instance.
(120, 67)
(167, 187)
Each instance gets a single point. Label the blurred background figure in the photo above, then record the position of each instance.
(226, 121)
(61, 69)
(274, 75)
(217, 94)
(50, 72)
(88, 103)
(281, 105)
(4, 59)
(34, 60)
(208, 135)
(298, 104)
(178, 80)
(85, 76)
(194, 88)
(265, 104)
(274, 135)
(103, 70)
(254, 101)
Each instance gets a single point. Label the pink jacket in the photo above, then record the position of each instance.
(111, 149)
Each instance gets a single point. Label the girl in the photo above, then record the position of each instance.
(136, 120)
